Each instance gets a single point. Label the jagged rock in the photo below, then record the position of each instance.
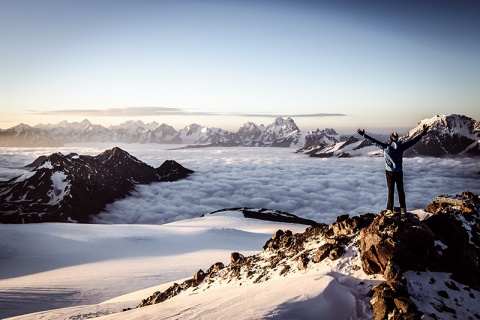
(198, 277)
(405, 305)
(390, 302)
(345, 225)
(303, 262)
(456, 225)
(215, 267)
(392, 271)
(322, 252)
(280, 239)
(401, 238)
(235, 256)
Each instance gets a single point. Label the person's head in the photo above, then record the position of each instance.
(394, 136)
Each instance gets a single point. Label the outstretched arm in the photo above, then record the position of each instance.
(372, 140)
(411, 142)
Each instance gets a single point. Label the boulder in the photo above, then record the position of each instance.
(390, 303)
(402, 239)
(235, 256)
(456, 225)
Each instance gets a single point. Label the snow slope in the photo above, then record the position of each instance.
(46, 266)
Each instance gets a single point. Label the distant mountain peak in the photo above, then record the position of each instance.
(449, 135)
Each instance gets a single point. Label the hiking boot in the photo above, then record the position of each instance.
(403, 210)
(388, 213)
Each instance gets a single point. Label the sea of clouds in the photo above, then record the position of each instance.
(275, 178)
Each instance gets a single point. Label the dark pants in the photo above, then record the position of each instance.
(392, 179)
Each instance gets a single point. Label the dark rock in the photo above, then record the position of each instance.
(303, 262)
(171, 170)
(285, 270)
(235, 256)
(441, 307)
(348, 226)
(455, 222)
(402, 239)
(37, 162)
(392, 271)
(451, 285)
(322, 252)
(443, 294)
(336, 252)
(198, 277)
(215, 267)
(269, 215)
(405, 305)
(389, 302)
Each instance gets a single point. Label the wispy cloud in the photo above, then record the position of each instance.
(166, 111)
(298, 115)
(128, 111)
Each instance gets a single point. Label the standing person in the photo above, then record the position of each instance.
(393, 153)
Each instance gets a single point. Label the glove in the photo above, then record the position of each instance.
(425, 129)
(361, 132)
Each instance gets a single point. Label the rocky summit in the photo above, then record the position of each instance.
(426, 263)
(73, 188)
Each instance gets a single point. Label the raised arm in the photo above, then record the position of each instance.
(375, 142)
(411, 142)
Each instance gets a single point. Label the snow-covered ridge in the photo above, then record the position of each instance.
(449, 135)
(281, 133)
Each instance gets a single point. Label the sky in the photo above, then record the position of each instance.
(379, 65)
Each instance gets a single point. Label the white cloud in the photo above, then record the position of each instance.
(275, 178)
(318, 189)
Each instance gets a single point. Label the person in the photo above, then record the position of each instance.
(393, 154)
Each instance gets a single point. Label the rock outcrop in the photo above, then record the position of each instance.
(267, 215)
(447, 241)
(455, 223)
(402, 239)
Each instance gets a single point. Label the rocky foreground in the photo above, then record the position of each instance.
(441, 243)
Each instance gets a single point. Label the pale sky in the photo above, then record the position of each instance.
(379, 65)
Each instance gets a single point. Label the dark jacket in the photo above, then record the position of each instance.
(393, 151)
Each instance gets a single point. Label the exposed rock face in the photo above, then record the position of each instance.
(448, 241)
(402, 239)
(456, 225)
(72, 188)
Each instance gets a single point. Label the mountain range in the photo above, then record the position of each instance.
(448, 135)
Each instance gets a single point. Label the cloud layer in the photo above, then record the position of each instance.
(165, 111)
(275, 178)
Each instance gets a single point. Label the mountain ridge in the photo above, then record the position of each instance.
(449, 135)
(74, 188)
